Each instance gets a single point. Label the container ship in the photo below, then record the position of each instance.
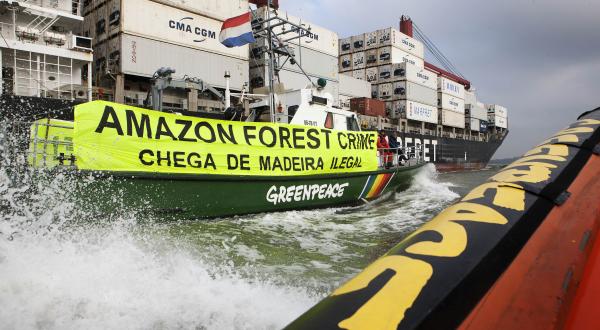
(57, 53)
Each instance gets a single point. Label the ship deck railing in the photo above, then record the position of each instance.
(399, 157)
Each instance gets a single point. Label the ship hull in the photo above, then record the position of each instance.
(206, 196)
(451, 154)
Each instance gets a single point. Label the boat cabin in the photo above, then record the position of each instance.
(309, 107)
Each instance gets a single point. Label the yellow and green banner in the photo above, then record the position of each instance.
(115, 137)
(50, 143)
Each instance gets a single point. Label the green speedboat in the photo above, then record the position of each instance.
(314, 157)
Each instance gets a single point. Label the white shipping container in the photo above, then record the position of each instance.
(393, 37)
(390, 55)
(359, 74)
(141, 58)
(371, 40)
(498, 110)
(385, 73)
(358, 60)
(374, 91)
(476, 112)
(345, 45)
(319, 38)
(452, 119)
(385, 91)
(450, 102)
(412, 73)
(408, 44)
(371, 75)
(213, 8)
(371, 58)
(163, 23)
(388, 109)
(358, 43)
(384, 37)
(419, 111)
(470, 97)
(406, 90)
(495, 120)
(314, 63)
(397, 109)
(474, 123)
(451, 87)
(353, 87)
(345, 63)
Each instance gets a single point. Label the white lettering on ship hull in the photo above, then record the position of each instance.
(283, 194)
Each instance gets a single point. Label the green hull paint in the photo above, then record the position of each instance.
(206, 196)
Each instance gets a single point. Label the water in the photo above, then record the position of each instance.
(67, 266)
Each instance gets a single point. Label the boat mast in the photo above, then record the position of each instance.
(271, 63)
(276, 46)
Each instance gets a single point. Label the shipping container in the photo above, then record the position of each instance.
(345, 63)
(358, 60)
(372, 74)
(359, 74)
(406, 90)
(398, 108)
(141, 58)
(358, 43)
(214, 8)
(474, 124)
(495, 120)
(391, 55)
(412, 73)
(367, 106)
(385, 73)
(388, 110)
(345, 45)
(368, 122)
(408, 44)
(371, 40)
(499, 110)
(319, 38)
(451, 87)
(371, 58)
(294, 80)
(314, 63)
(395, 38)
(353, 87)
(470, 97)
(475, 111)
(450, 102)
(163, 23)
(385, 91)
(452, 119)
(418, 111)
(374, 91)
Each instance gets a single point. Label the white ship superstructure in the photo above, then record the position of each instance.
(42, 51)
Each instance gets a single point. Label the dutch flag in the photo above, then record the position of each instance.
(237, 31)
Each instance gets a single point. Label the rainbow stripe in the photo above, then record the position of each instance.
(375, 185)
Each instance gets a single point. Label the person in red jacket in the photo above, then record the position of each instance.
(384, 149)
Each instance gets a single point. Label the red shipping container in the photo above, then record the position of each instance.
(367, 106)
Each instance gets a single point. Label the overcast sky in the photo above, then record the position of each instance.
(540, 59)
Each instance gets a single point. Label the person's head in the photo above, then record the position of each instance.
(395, 133)
(382, 132)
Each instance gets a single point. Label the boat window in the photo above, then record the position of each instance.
(352, 124)
(292, 110)
(329, 120)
